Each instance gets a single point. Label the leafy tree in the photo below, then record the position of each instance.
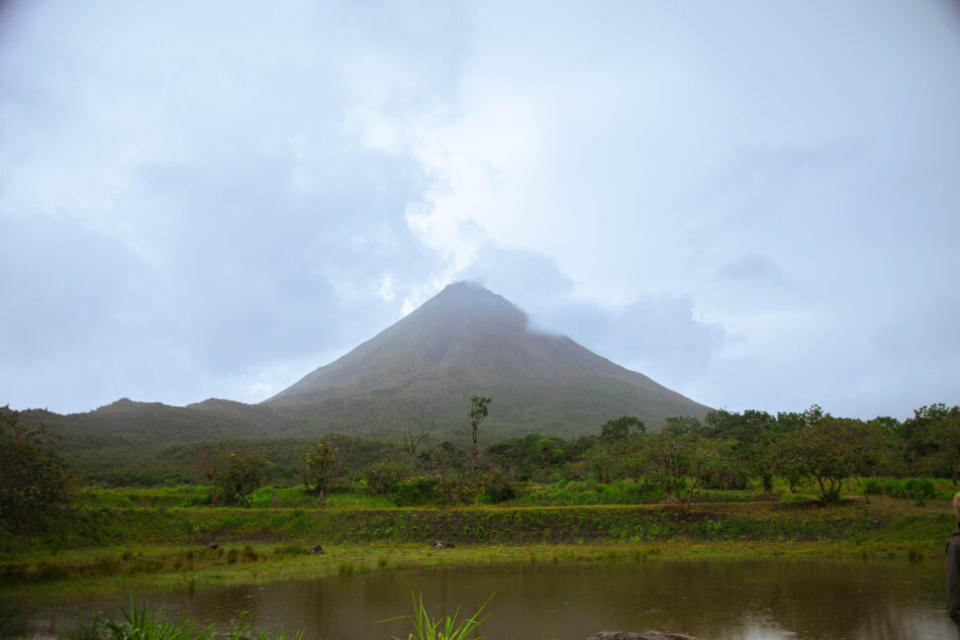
(876, 448)
(444, 459)
(34, 481)
(236, 475)
(600, 461)
(753, 433)
(321, 465)
(790, 421)
(532, 455)
(682, 425)
(679, 460)
(478, 411)
(619, 428)
(830, 450)
(383, 475)
(448, 463)
(941, 434)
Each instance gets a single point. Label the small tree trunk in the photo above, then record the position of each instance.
(767, 480)
(243, 498)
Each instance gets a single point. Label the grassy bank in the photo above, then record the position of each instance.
(354, 559)
(122, 548)
(801, 521)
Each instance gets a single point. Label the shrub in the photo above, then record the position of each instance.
(872, 487)
(498, 493)
(831, 496)
(919, 490)
(413, 492)
(383, 475)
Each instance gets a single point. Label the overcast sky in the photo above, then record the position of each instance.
(755, 203)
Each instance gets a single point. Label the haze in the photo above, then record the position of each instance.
(755, 204)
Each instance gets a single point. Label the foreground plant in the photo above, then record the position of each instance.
(141, 624)
(244, 631)
(448, 628)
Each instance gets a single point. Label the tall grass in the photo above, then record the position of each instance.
(140, 623)
(447, 628)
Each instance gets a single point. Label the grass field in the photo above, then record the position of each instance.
(133, 538)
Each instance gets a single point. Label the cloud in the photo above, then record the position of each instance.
(658, 335)
(756, 204)
(65, 285)
(186, 207)
(767, 193)
(753, 269)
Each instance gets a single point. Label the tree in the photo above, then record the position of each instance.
(680, 459)
(941, 433)
(34, 481)
(321, 464)
(411, 441)
(682, 425)
(448, 462)
(829, 450)
(235, 476)
(619, 428)
(444, 459)
(753, 432)
(531, 455)
(412, 415)
(478, 411)
(384, 474)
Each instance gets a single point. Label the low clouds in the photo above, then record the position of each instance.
(656, 334)
(755, 205)
(186, 207)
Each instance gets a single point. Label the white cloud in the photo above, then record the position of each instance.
(760, 204)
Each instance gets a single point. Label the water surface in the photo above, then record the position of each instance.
(719, 600)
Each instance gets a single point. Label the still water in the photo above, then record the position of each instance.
(718, 600)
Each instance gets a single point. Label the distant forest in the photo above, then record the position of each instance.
(727, 450)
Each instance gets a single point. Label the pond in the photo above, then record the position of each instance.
(718, 600)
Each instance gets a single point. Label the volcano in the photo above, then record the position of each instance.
(421, 372)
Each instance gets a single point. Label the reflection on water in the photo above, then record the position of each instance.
(718, 600)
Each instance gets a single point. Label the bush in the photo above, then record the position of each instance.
(872, 487)
(498, 493)
(383, 475)
(919, 490)
(414, 492)
(831, 497)
(195, 497)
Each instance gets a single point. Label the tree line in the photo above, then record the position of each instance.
(725, 450)
(728, 450)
